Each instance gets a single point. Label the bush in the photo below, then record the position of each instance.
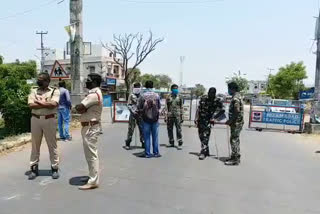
(14, 92)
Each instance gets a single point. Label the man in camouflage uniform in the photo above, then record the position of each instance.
(174, 116)
(208, 106)
(235, 122)
(135, 118)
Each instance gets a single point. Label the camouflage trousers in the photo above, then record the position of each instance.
(132, 125)
(235, 139)
(204, 130)
(171, 122)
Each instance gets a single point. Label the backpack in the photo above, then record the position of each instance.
(150, 111)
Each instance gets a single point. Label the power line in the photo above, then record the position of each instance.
(172, 2)
(29, 10)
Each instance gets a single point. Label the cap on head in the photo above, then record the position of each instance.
(233, 86)
(45, 76)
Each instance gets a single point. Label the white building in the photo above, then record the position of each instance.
(257, 86)
(98, 60)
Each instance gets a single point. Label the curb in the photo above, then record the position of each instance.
(13, 142)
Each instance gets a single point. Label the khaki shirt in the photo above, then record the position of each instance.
(93, 103)
(49, 94)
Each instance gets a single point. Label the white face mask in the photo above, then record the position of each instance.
(136, 90)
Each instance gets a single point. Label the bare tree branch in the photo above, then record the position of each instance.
(123, 44)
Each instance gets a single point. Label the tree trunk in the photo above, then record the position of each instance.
(127, 88)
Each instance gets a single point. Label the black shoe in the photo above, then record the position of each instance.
(180, 143)
(127, 147)
(202, 156)
(55, 173)
(34, 172)
(157, 156)
(170, 145)
(232, 162)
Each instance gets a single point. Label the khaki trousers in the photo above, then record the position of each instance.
(46, 127)
(90, 145)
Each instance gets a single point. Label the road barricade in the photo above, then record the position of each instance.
(276, 117)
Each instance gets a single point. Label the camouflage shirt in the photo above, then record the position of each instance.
(133, 103)
(236, 110)
(174, 106)
(208, 107)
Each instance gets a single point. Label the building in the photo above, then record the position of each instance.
(257, 86)
(96, 60)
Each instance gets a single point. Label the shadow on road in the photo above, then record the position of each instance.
(133, 147)
(78, 181)
(317, 152)
(197, 154)
(41, 173)
(222, 159)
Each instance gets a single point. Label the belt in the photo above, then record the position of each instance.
(91, 123)
(44, 116)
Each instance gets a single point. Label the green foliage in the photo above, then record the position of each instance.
(159, 81)
(241, 81)
(287, 83)
(14, 92)
(1, 60)
(199, 90)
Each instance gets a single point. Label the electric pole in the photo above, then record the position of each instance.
(317, 78)
(76, 50)
(42, 49)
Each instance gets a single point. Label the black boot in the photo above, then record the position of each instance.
(202, 156)
(234, 161)
(34, 172)
(127, 146)
(55, 173)
(142, 145)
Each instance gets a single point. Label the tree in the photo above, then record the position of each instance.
(199, 90)
(1, 60)
(14, 92)
(128, 46)
(164, 81)
(241, 81)
(288, 82)
(146, 77)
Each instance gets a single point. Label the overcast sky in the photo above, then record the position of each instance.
(218, 38)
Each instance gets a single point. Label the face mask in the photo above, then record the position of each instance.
(40, 83)
(136, 91)
(175, 91)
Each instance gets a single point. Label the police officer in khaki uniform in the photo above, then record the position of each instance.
(90, 110)
(43, 100)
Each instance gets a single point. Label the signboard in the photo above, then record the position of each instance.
(58, 71)
(121, 111)
(282, 118)
(256, 116)
(111, 81)
(305, 95)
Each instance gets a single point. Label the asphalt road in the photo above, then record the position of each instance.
(279, 173)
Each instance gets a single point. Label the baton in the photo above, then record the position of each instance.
(228, 140)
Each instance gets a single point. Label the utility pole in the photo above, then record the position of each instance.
(41, 33)
(182, 59)
(76, 50)
(317, 77)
